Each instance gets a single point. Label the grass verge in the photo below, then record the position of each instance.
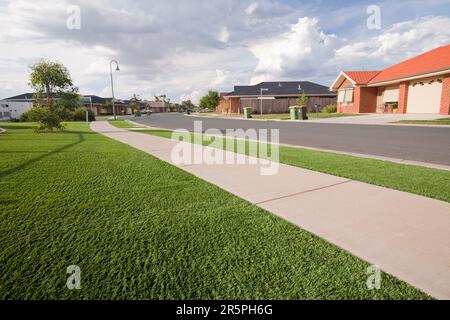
(442, 122)
(285, 116)
(123, 124)
(140, 228)
(428, 182)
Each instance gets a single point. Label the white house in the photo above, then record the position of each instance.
(12, 108)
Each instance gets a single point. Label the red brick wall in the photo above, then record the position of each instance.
(445, 98)
(346, 108)
(403, 97)
(365, 99)
(223, 105)
(234, 105)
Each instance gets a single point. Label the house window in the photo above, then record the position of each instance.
(341, 96)
(391, 94)
(345, 96)
(348, 95)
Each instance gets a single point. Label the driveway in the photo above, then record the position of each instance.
(379, 118)
(411, 143)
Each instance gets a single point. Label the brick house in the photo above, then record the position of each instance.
(103, 106)
(275, 97)
(417, 85)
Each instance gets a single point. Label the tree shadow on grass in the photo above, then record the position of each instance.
(12, 126)
(36, 159)
(7, 202)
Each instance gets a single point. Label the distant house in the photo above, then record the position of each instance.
(101, 105)
(417, 85)
(14, 107)
(275, 97)
(156, 106)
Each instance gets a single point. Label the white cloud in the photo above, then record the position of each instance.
(221, 76)
(302, 50)
(194, 96)
(251, 8)
(398, 42)
(307, 52)
(224, 35)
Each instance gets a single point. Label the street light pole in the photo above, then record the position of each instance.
(261, 99)
(112, 84)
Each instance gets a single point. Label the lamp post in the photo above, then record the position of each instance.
(112, 84)
(261, 106)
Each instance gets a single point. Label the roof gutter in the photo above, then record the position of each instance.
(284, 95)
(410, 77)
(334, 86)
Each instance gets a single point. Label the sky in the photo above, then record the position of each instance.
(185, 48)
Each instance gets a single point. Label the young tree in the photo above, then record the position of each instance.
(70, 100)
(210, 101)
(48, 78)
(302, 100)
(134, 103)
(187, 104)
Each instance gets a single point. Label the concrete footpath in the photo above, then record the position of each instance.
(406, 235)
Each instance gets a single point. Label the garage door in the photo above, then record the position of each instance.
(424, 96)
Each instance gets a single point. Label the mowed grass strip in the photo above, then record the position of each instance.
(441, 122)
(123, 124)
(140, 228)
(286, 116)
(428, 182)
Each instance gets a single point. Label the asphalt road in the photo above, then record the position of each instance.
(424, 144)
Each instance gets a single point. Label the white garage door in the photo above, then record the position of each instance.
(424, 96)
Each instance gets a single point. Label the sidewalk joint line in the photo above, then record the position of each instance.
(303, 192)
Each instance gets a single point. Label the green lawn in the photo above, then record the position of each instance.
(140, 228)
(428, 182)
(123, 124)
(443, 121)
(333, 115)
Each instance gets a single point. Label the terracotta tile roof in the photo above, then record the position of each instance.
(361, 77)
(434, 60)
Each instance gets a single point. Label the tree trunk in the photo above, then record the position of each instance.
(49, 99)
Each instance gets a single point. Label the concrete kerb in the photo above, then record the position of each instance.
(359, 155)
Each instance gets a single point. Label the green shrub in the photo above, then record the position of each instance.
(302, 100)
(331, 108)
(48, 120)
(79, 114)
(27, 116)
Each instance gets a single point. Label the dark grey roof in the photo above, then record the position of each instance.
(24, 96)
(95, 99)
(281, 88)
(86, 98)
